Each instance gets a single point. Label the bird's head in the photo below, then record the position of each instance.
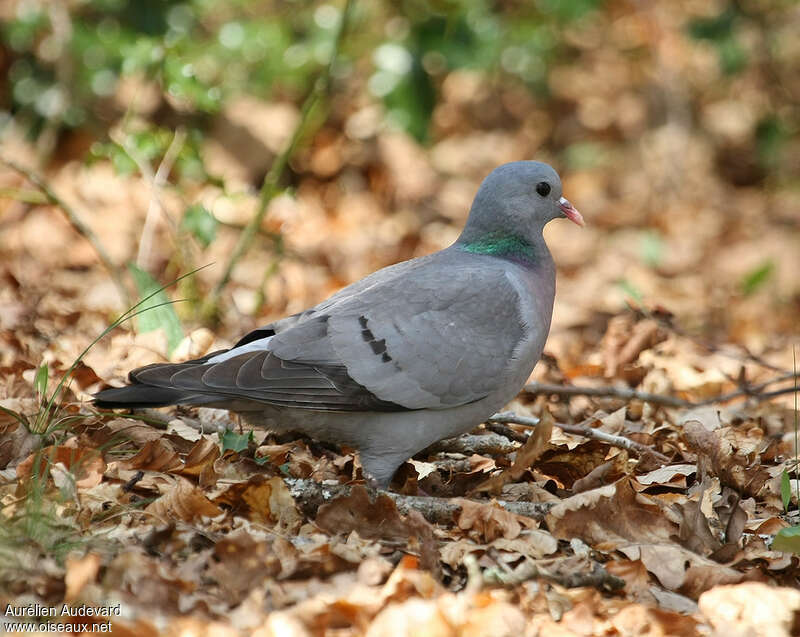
(512, 206)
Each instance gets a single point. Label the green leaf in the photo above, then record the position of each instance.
(716, 29)
(235, 442)
(652, 248)
(787, 540)
(757, 277)
(40, 381)
(786, 490)
(161, 317)
(631, 290)
(198, 220)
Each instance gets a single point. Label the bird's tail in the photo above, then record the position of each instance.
(150, 386)
(142, 395)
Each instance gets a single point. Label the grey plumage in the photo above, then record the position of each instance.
(419, 351)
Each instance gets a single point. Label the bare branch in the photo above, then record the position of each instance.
(562, 571)
(156, 180)
(155, 207)
(754, 391)
(626, 393)
(309, 495)
(468, 444)
(584, 429)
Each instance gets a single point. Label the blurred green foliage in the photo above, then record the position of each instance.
(721, 31)
(67, 59)
(150, 143)
(755, 279)
(199, 221)
(86, 64)
(160, 313)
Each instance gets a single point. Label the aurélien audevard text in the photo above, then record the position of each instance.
(64, 610)
(61, 618)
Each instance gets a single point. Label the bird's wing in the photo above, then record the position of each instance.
(424, 337)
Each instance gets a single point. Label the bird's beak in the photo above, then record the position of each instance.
(570, 212)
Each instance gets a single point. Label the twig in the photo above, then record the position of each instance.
(156, 181)
(554, 571)
(659, 399)
(74, 220)
(468, 444)
(583, 429)
(608, 392)
(772, 394)
(269, 187)
(505, 431)
(309, 495)
(753, 392)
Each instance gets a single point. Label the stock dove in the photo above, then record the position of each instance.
(416, 352)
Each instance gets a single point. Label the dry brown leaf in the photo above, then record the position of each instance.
(87, 465)
(605, 473)
(16, 442)
(488, 521)
(625, 340)
(138, 432)
(695, 533)
(565, 465)
(78, 573)
(722, 460)
(156, 455)
(184, 501)
(407, 581)
(752, 608)
(240, 563)
(264, 500)
(526, 456)
(200, 462)
(272, 501)
(277, 454)
(678, 569)
(532, 543)
(611, 516)
(411, 617)
(645, 621)
(378, 519)
(673, 475)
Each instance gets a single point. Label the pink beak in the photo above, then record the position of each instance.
(570, 212)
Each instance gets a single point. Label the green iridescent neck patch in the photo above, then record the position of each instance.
(500, 245)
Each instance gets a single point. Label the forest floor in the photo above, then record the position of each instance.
(678, 305)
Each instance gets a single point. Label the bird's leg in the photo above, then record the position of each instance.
(374, 483)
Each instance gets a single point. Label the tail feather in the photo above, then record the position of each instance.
(141, 395)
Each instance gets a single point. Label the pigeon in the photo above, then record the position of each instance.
(419, 351)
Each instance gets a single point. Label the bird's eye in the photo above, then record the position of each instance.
(543, 188)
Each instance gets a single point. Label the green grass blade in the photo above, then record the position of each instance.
(786, 490)
(40, 382)
(131, 312)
